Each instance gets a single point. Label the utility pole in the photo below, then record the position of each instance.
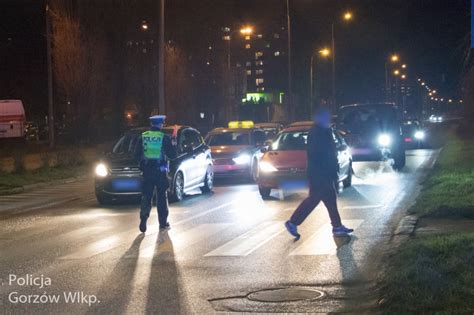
(333, 68)
(161, 61)
(50, 80)
(290, 83)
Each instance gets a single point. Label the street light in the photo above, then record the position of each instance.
(325, 52)
(396, 72)
(404, 76)
(144, 25)
(394, 58)
(246, 30)
(347, 16)
(404, 66)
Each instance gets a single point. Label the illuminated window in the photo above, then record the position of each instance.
(258, 54)
(247, 46)
(260, 89)
(277, 53)
(249, 72)
(226, 37)
(276, 35)
(259, 63)
(259, 81)
(260, 71)
(248, 64)
(259, 35)
(247, 37)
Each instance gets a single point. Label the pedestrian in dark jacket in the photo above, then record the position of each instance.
(323, 168)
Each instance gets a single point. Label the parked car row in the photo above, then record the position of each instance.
(269, 154)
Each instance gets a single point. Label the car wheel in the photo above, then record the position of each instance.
(399, 160)
(254, 170)
(178, 188)
(264, 192)
(348, 181)
(208, 180)
(103, 199)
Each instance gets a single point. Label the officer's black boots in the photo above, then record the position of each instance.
(142, 226)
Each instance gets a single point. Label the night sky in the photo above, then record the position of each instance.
(432, 37)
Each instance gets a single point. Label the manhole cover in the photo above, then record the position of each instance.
(285, 295)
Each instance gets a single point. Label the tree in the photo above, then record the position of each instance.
(79, 67)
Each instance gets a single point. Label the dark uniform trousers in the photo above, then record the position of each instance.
(160, 181)
(320, 190)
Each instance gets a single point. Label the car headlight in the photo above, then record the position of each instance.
(419, 135)
(101, 170)
(384, 140)
(243, 158)
(267, 167)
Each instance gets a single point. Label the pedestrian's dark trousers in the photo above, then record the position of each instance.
(159, 181)
(321, 190)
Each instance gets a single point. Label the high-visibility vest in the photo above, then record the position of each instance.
(152, 144)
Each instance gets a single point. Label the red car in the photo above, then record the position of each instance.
(283, 166)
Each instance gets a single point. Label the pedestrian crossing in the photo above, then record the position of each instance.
(46, 195)
(177, 241)
(250, 241)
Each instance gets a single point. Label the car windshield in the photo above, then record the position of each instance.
(129, 143)
(364, 118)
(295, 140)
(228, 138)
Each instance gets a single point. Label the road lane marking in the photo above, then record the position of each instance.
(246, 243)
(181, 240)
(322, 241)
(112, 241)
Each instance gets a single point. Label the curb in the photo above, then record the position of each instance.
(42, 184)
(406, 226)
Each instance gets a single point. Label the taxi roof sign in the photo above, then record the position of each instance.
(241, 124)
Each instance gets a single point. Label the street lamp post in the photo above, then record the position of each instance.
(325, 52)
(50, 80)
(347, 16)
(245, 31)
(161, 61)
(394, 58)
(290, 87)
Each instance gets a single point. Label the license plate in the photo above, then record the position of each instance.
(126, 184)
(294, 184)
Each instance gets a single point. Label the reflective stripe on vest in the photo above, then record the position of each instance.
(152, 144)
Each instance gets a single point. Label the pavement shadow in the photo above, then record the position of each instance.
(118, 285)
(163, 294)
(347, 263)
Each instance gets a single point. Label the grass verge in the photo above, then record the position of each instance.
(15, 180)
(435, 273)
(449, 192)
(432, 274)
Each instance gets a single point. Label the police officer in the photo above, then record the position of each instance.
(323, 170)
(156, 150)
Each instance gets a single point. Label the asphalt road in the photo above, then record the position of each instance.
(221, 247)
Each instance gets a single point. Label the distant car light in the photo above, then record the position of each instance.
(242, 159)
(267, 167)
(384, 140)
(419, 135)
(101, 170)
